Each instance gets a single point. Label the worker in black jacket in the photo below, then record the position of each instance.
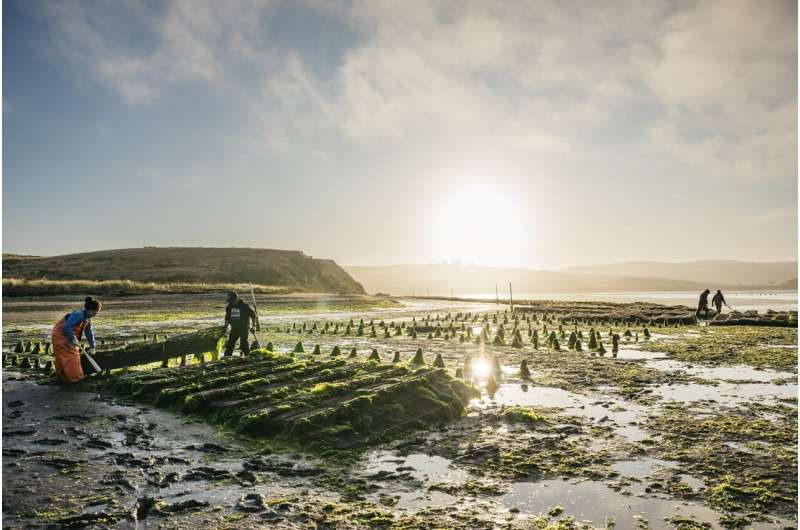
(702, 304)
(718, 300)
(238, 315)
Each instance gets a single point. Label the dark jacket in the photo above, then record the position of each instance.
(703, 299)
(238, 315)
(718, 299)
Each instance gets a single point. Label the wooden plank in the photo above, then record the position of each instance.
(151, 352)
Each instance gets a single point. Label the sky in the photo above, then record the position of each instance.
(530, 134)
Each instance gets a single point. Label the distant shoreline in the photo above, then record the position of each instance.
(744, 300)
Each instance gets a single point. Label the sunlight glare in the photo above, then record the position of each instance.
(481, 368)
(480, 225)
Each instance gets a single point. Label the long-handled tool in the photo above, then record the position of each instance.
(256, 343)
(91, 360)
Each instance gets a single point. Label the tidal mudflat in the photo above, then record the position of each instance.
(568, 415)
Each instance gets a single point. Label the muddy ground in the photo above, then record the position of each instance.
(694, 428)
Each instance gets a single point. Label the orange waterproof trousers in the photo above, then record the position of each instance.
(67, 356)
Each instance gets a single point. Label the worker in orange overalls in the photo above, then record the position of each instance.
(66, 339)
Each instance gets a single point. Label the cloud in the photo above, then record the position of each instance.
(726, 78)
(706, 87)
(141, 52)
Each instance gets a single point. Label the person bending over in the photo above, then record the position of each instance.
(66, 339)
(702, 305)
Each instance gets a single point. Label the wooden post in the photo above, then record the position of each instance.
(496, 296)
(511, 296)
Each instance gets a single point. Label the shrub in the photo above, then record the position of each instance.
(299, 348)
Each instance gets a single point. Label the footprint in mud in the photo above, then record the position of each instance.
(98, 443)
(130, 460)
(281, 467)
(190, 505)
(19, 432)
(208, 473)
(80, 418)
(50, 441)
(73, 431)
(164, 481)
(252, 503)
(246, 478)
(61, 463)
(16, 403)
(118, 479)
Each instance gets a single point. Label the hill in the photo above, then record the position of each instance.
(438, 279)
(289, 269)
(726, 272)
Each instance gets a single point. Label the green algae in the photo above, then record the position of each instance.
(760, 347)
(745, 454)
(333, 403)
(524, 443)
(522, 415)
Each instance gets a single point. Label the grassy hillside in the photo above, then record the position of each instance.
(280, 269)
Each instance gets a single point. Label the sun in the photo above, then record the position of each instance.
(481, 368)
(479, 224)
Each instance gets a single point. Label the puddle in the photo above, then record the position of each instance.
(406, 478)
(639, 468)
(726, 393)
(597, 408)
(722, 373)
(644, 467)
(629, 353)
(594, 502)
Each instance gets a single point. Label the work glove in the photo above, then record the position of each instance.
(92, 350)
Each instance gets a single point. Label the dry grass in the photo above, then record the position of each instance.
(22, 287)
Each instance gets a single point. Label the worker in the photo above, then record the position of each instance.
(702, 305)
(718, 300)
(66, 338)
(238, 315)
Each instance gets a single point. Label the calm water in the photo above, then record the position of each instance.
(742, 301)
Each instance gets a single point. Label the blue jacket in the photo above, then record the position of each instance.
(74, 319)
